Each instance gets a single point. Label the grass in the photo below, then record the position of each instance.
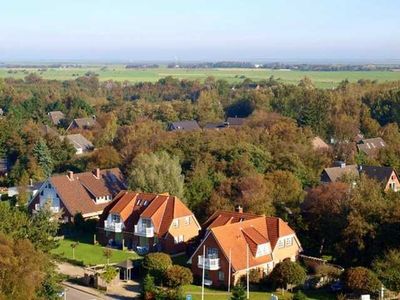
(120, 73)
(88, 254)
(213, 294)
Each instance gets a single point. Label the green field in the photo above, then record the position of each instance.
(120, 73)
(211, 294)
(89, 254)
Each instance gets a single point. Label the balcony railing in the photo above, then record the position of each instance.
(144, 231)
(113, 226)
(211, 264)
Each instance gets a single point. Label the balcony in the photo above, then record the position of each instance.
(211, 264)
(144, 231)
(113, 226)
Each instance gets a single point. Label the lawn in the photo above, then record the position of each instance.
(232, 75)
(89, 254)
(212, 294)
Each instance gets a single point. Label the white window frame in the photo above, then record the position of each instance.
(281, 243)
(187, 221)
(288, 241)
(175, 223)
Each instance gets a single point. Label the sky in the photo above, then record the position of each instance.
(202, 30)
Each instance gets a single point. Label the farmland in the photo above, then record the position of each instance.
(120, 73)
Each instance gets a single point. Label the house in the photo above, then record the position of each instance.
(47, 130)
(371, 147)
(87, 193)
(56, 117)
(188, 125)
(229, 249)
(80, 143)
(148, 222)
(318, 144)
(235, 122)
(83, 123)
(387, 176)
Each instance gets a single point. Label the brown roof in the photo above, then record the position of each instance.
(371, 146)
(235, 238)
(227, 217)
(56, 116)
(319, 144)
(47, 130)
(78, 193)
(335, 173)
(160, 208)
(84, 123)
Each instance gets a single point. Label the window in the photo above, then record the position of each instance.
(175, 223)
(289, 241)
(138, 202)
(178, 239)
(212, 252)
(187, 220)
(221, 276)
(115, 218)
(281, 243)
(145, 202)
(41, 193)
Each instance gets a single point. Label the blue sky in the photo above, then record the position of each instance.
(256, 30)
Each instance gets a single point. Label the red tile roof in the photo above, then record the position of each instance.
(227, 217)
(160, 208)
(234, 238)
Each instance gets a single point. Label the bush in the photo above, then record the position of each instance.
(361, 280)
(238, 293)
(177, 276)
(288, 273)
(299, 296)
(156, 264)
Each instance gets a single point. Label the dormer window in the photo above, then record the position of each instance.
(263, 249)
(145, 203)
(138, 202)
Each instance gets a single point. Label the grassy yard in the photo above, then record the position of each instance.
(88, 254)
(232, 75)
(213, 294)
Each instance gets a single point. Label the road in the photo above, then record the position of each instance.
(73, 294)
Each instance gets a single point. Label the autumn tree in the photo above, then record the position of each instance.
(361, 280)
(209, 108)
(387, 268)
(288, 273)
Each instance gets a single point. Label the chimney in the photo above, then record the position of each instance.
(239, 209)
(96, 173)
(70, 175)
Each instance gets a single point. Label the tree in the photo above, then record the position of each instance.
(21, 269)
(108, 274)
(177, 276)
(209, 108)
(288, 273)
(104, 158)
(43, 156)
(149, 288)
(156, 264)
(238, 293)
(107, 253)
(157, 173)
(73, 246)
(387, 268)
(361, 280)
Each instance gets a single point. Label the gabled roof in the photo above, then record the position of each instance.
(84, 123)
(78, 191)
(371, 146)
(47, 130)
(184, 125)
(220, 218)
(233, 239)
(319, 144)
(56, 116)
(235, 121)
(219, 125)
(161, 209)
(80, 142)
(334, 173)
(378, 173)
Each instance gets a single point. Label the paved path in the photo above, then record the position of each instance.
(78, 292)
(70, 270)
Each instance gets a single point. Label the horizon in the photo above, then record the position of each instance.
(184, 31)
